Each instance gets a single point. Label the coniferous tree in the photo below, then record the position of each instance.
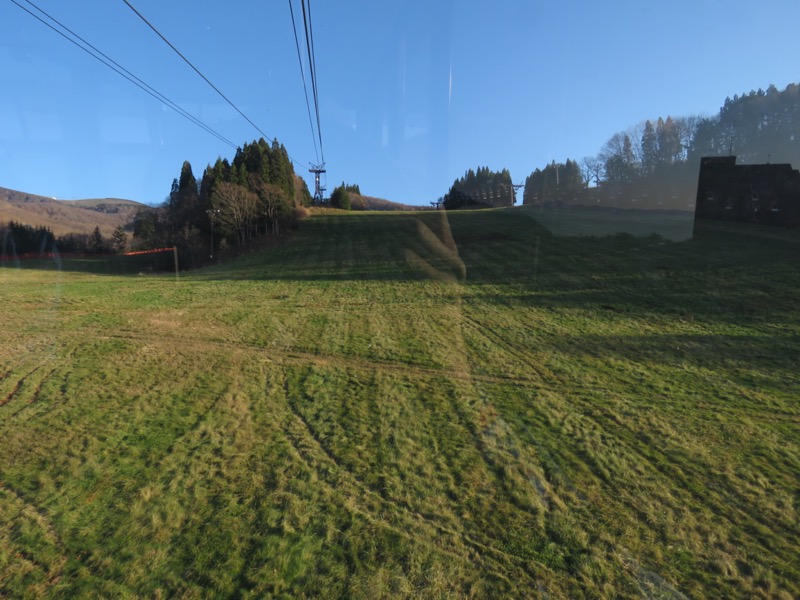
(150, 228)
(340, 197)
(649, 149)
(18, 238)
(97, 244)
(265, 191)
(669, 144)
(759, 126)
(556, 182)
(183, 206)
(621, 168)
(119, 240)
(480, 188)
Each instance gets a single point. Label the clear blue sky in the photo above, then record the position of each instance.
(412, 93)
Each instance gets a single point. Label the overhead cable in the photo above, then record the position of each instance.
(119, 69)
(206, 79)
(303, 77)
(314, 60)
(312, 68)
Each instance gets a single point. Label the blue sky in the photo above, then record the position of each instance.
(412, 93)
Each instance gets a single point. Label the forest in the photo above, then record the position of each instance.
(480, 189)
(653, 164)
(17, 239)
(257, 195)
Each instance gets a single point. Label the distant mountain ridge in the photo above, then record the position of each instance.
(67, 216)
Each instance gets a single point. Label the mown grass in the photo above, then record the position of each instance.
(355, 414)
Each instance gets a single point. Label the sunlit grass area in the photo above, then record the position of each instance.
(360, 413)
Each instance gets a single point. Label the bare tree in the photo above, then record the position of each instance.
(272, 203)
(687, 127)
(238, 209)
(592, 168)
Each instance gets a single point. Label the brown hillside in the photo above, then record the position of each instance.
(67, 216)
(373, 203)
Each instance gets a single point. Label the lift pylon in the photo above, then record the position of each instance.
(319, 190)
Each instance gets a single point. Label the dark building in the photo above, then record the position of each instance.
(766, 194)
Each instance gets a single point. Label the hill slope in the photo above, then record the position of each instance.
(566, 417)
(361, 202)
(67, 216)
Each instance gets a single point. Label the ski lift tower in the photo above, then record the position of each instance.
(514, 187)
(317, 170)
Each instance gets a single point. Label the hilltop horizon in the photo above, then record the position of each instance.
(67, 216)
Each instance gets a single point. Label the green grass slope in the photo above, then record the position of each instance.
(364, 412)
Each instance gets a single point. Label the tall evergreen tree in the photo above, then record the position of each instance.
(557, 181)
(183, 208)
(649, 149)
(480, 188)
(97, 244)
(119, 240)
(669, 142)
(340, 197)
(759, 126)
(622, 168)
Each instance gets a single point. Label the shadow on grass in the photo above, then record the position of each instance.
(351, 247)
(740, 355)
(146, 264)
(597, 221)
(518, 252)
(497, 247)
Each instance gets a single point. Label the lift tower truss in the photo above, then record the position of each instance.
(319, 190)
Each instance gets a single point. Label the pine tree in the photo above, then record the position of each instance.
(340, 197)
(119, 240)
(669, 141)
(184, 201)
(97, 245)
(649, 149)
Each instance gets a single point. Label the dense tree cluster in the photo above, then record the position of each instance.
(340, 198)
(18, 238)
(481, 188)
(758, 127)
(351, 188)
(234, 202)
(654, 164)
(556, 181)
(645, 149)
(346, 196)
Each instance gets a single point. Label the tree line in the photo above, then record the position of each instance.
(655, 163)
(555, 178)
(234, 203)
(19, 238)
(344, 196)
(480, 188)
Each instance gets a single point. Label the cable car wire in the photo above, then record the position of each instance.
(206, 79)
(303, 77)
(314, 57)
(312, 68)
(119, 69)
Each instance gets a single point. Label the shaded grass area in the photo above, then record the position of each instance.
(578, 417)
(584, 221)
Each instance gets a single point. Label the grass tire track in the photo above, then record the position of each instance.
(346, 478)
(44, 521)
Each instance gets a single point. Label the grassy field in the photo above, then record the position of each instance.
(362, 413)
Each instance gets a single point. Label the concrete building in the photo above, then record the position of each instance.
(766, 194)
